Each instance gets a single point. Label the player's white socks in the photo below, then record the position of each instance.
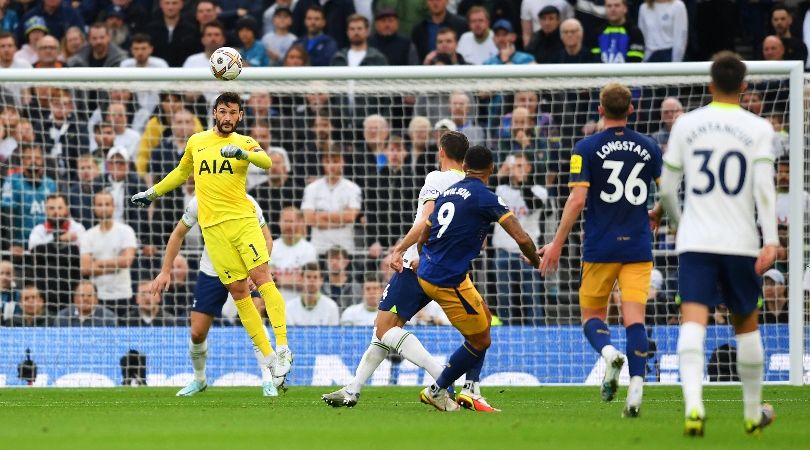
(372, 358)
(262, 360)
(635, 391)
(750, 356)
(407, 345)
(691, 359)
(609, 352)
(199, 354)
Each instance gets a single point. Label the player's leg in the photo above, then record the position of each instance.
(466, 310)
(594, 292)
(374, 355)
(198, 352)
(741, 287)
(268, 385)
(697, 283)
(472, 381)
(634, 282)
(251, 245)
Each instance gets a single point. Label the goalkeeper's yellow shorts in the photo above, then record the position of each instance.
(235, 247)
(598, 280)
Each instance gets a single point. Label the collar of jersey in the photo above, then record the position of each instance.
(723, 105)
(457, 171)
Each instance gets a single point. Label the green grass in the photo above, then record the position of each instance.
(386, 418)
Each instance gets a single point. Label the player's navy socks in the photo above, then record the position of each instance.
(460, 362)
(474, 372)
(637, 346)
(597, 333)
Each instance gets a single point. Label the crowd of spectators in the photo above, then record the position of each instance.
(346, 168)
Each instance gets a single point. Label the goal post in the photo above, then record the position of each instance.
(564, 111)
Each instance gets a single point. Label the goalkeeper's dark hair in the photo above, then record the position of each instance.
(478, 158)
(728, 72)
(228, 97)
(455, 145)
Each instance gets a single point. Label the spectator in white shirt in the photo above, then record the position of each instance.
(213, 37)
(267, 18)
(278, 41)
(364, 313)
(142, 49)
(291, 253)
(312, 307)
(58, 225)
(107, 253)
(125, 136)
(331, 205)
(665, 27)
(477, 45)
(8, 47)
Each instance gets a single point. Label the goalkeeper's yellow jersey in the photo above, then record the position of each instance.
(220, 182)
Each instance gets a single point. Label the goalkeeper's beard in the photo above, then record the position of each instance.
(222, 130)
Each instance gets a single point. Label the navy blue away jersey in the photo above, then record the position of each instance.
(618, 166)
(458, 226)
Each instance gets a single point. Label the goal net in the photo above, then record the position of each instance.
(350, 153)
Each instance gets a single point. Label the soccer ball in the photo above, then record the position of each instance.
(226, 63)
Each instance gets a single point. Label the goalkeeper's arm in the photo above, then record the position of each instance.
(256, 156)
(170, 182)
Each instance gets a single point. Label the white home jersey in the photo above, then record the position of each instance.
(718, 148)
(436, 182)
(190, 218)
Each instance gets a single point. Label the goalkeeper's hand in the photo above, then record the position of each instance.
(145, 198)
(232, 151)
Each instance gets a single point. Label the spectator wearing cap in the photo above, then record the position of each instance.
(665, 26)
(573, 51)
(321, 47)
(620, 41)
(477, 45)
(174, 37)
(58, 18)
(35, 29)
(268, 26)
(398, 50)
(425, 34)
(279, 39)
(132, 13)
(359, 53)
(505, 41)
(546, 42)
(774, 296)
(335, 14)
(331, 205)
(99, 50)
(531, 15)
(213, 37)
(48, 54)
(252, 49)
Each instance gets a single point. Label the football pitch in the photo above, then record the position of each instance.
(386, 418)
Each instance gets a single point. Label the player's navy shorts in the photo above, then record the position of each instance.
(403, 296)
(209, 295)
(711, 279)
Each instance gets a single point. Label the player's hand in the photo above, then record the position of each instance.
(161, 283)
(549, 258)
(232, 151)
(655, 219)
(145, 198)
(396, 261)
(766, 258)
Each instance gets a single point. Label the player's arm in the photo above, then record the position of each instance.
(573, 208)
(765, 199)
(255, 156)
(412, 237)
(164, 278)
(511, 225)
(670, 182)
(174, 179)
(424, 236)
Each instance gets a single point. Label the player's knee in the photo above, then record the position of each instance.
(385, 321)
(480, 341)
(198, 336)
(261, 274)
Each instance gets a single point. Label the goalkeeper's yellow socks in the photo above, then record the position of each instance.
(276, 311)
(252, 322)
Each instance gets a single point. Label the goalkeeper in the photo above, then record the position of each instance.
(219, 159)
